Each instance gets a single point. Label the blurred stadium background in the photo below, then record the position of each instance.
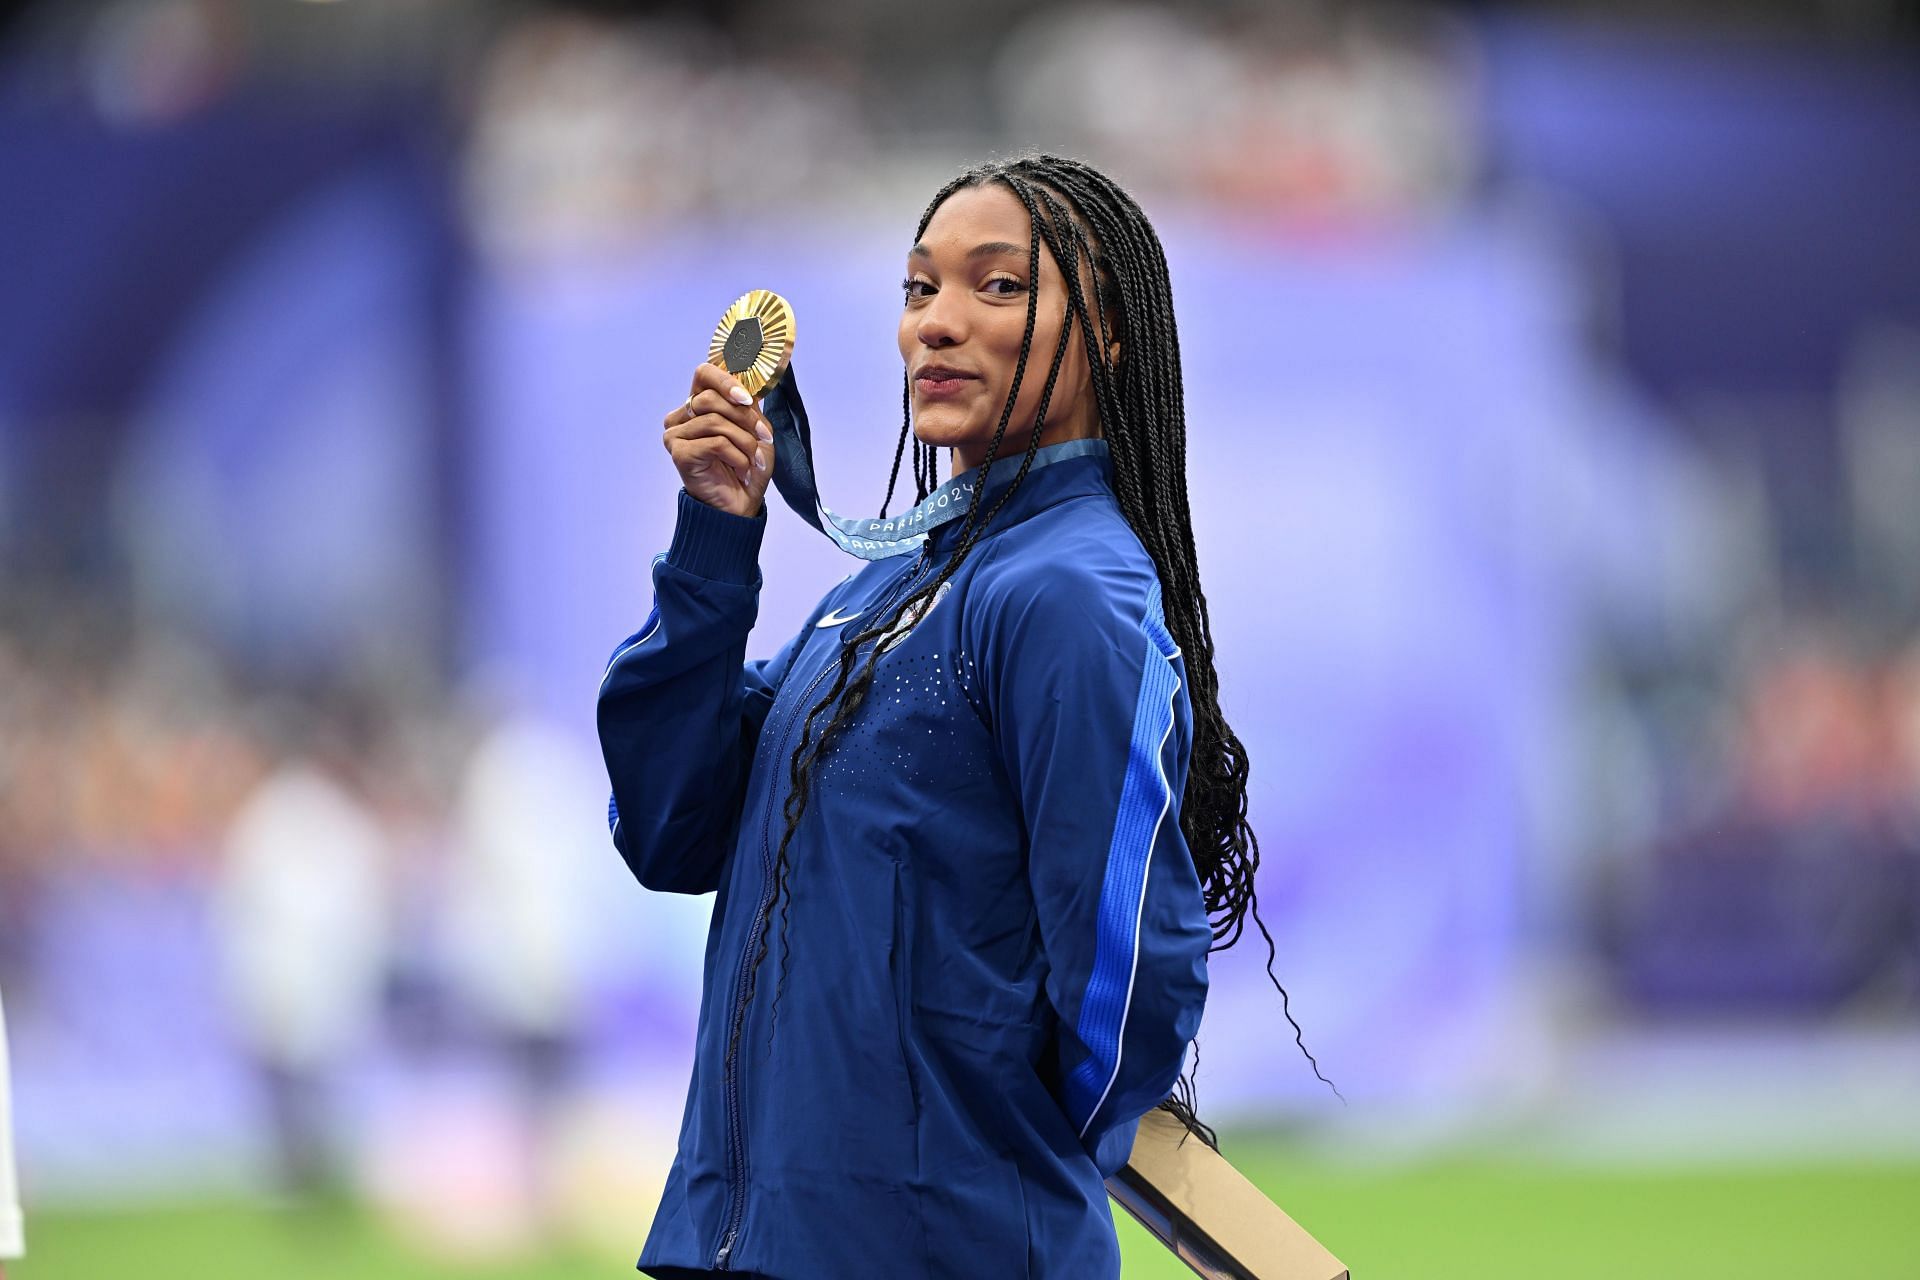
(1554, 386)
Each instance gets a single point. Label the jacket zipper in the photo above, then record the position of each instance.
(736, 1129)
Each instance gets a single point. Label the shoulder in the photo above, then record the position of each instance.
(1076, 572)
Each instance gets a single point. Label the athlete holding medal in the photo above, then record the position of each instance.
(975, 828)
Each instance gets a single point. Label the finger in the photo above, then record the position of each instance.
(710, 401)
(717, 451)
(762, 476)
(711, 377)
(708, 424)
(699, 456)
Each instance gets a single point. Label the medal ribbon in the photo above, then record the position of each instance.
(872, 538)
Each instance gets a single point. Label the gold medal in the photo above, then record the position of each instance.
(754, 339)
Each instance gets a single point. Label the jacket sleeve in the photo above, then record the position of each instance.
(1091, 716)
(680, 707)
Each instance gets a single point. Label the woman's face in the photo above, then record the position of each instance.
(966, 309)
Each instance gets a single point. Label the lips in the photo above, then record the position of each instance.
(939, 380)
(941, 373)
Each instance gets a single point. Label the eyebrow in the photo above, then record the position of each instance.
(992, 248)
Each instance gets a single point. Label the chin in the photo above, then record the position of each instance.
(938, 430)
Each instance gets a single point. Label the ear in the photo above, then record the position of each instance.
(1113, 352)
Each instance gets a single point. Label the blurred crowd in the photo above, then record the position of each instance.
(364, 865)
(590, 122)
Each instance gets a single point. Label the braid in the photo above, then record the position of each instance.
(906, 426)
(1143, 417)
(1147, 433)
(1073, 208)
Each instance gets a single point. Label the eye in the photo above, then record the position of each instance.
(909, 285)
(1014, 287)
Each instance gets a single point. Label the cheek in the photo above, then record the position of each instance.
(1046, 336)
(1046, 340)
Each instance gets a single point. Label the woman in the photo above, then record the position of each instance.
(987, 786)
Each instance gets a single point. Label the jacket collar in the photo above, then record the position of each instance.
(1070, 469)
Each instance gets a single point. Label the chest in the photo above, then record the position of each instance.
(921, 715)
(911, 780)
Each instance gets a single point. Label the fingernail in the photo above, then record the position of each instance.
(764, 431)
(760, 460)
(738, 394)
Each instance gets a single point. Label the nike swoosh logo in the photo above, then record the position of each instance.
(833, 619)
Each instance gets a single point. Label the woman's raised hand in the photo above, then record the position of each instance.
(720, 444)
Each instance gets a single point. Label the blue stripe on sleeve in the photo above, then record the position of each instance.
(1145, 798)
(639, 637)
(620, 651)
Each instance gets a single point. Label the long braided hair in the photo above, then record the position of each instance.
(1078, 211)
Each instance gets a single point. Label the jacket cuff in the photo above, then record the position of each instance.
(716, 544)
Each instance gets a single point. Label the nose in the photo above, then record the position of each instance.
(941, 323)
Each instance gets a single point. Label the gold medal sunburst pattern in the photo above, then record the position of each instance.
(754, 339)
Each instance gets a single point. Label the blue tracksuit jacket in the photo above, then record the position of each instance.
(996, 944)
